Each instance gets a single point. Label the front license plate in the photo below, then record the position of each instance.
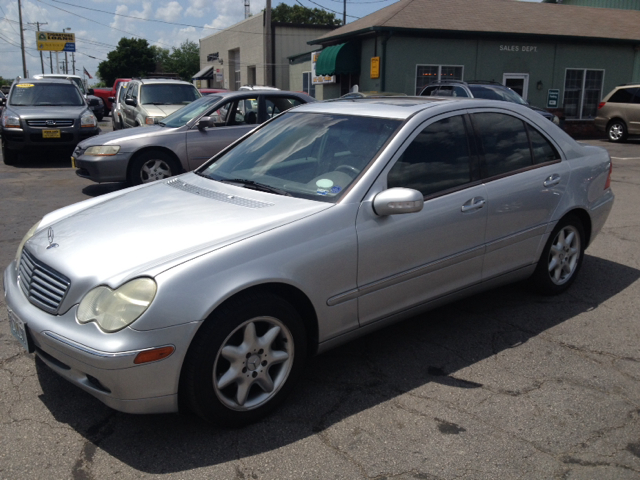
(73, 162)
(50, 133)
(19, 330)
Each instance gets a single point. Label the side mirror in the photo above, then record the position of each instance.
(398, 200)
(112, 99)
(90, 91)
(205, 122)
(130, 101)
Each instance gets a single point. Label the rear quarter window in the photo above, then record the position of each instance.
(623, 95)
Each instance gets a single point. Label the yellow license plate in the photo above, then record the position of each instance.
(73, 162)
(50, 133)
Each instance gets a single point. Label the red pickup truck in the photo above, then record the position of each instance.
(106, 93)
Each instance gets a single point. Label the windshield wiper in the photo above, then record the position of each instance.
(256, 186)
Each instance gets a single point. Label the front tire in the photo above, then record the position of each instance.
(152, 166)
(561, 258)
(617, 131)
(244, 360)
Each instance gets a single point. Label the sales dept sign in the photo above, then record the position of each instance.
(56, 42)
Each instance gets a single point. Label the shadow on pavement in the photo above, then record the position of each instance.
(343, 382)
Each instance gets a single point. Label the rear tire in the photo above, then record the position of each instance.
(244, 360)
(561, 258)
(152, 166)
(617, 131)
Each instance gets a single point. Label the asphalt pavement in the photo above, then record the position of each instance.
(503, 385)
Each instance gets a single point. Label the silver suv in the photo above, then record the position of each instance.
(149, 100)
(619, 113)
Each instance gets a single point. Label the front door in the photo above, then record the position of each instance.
(407, 260)
(518, 82)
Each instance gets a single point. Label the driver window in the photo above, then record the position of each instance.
(436, 160)
(246, 112)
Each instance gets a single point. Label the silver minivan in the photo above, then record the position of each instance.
(619, 113)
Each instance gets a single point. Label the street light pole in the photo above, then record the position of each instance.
(24, 60)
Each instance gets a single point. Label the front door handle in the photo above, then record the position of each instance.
(552, 181)
(475, 203)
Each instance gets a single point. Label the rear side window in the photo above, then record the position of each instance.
(437, 159)
(542, 150)
(503, 142)
(277, 105)
(429, 91)
(624, 95)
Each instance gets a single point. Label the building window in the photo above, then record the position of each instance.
(307, 85)
(582, 92)
(251, 75)
(234, 66)
(425, 74)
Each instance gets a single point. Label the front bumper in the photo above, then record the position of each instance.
(29, 139)
(600, 123)
(102, 364)
(111, 168)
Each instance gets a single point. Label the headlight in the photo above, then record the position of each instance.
(88, 120)
(152, 120)
(102, 150)
(10, 121)
(114, 310)
(29, 234)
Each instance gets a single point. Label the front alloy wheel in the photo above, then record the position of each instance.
(152, 166)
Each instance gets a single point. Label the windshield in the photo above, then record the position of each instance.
(490, 92)
(306, 155)
(185, 114)
(168, 94)
(45, 94)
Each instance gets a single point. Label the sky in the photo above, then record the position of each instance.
(100, 24)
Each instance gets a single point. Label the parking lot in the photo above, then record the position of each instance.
(503, 385)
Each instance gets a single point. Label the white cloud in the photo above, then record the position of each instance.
(170, 12)
(197, 8)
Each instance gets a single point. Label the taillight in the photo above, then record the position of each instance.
(608, 182)
(601, 104)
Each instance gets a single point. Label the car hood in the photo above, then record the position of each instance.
(29, 113)
(128, 134)
(161, 110)
(150, 229)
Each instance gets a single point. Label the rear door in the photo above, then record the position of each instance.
(525, 179)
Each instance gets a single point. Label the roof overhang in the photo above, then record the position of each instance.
(205, 74)
(339, 59)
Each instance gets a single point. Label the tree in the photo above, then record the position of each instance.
(132, 58)
(184, 60)
(300, 15)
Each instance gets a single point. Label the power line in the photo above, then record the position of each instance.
(325, 8)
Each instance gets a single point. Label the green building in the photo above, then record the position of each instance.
(567, 53)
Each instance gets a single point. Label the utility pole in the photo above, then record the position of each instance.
(24, 60)
(38, 27)
(73, 61)
(344, 13)
(267, 46)
(66, 60)
(51, 61)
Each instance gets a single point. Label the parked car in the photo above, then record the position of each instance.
(182, 141)
(95, 103)
(106, 93)
(3, 101)
(619, 113)
(212, 289)
(481, 89)
(117, 102)
(149, 100)
(209, 91)
(44, 114)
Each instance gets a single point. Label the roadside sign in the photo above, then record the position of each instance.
(553, 98)
(319, 79)
(375, 67)
(56, 42)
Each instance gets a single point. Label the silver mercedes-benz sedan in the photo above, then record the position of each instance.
(326, 222)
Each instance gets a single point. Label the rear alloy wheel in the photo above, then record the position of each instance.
(244, 360)
(561, 258)
(617, 131)
(152, 166)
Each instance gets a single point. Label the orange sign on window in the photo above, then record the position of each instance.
(375, 67)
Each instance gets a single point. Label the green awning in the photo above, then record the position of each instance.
(339, 59)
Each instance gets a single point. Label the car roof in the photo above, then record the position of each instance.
(253, 93)
(55, 75)
(64, 81)
(148, 81)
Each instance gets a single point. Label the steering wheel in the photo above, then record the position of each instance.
(348, 168)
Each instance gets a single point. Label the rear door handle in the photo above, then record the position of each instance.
(552, 180)
(475, 203)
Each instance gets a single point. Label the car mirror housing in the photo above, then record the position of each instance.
(112, 99)
(396, 201)
(130, 101)
(205, 122)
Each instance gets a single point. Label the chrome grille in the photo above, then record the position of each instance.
(56, 123)
(42, 285)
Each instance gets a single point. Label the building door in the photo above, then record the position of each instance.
(518, 82)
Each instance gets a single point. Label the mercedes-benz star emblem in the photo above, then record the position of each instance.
(50, 237)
